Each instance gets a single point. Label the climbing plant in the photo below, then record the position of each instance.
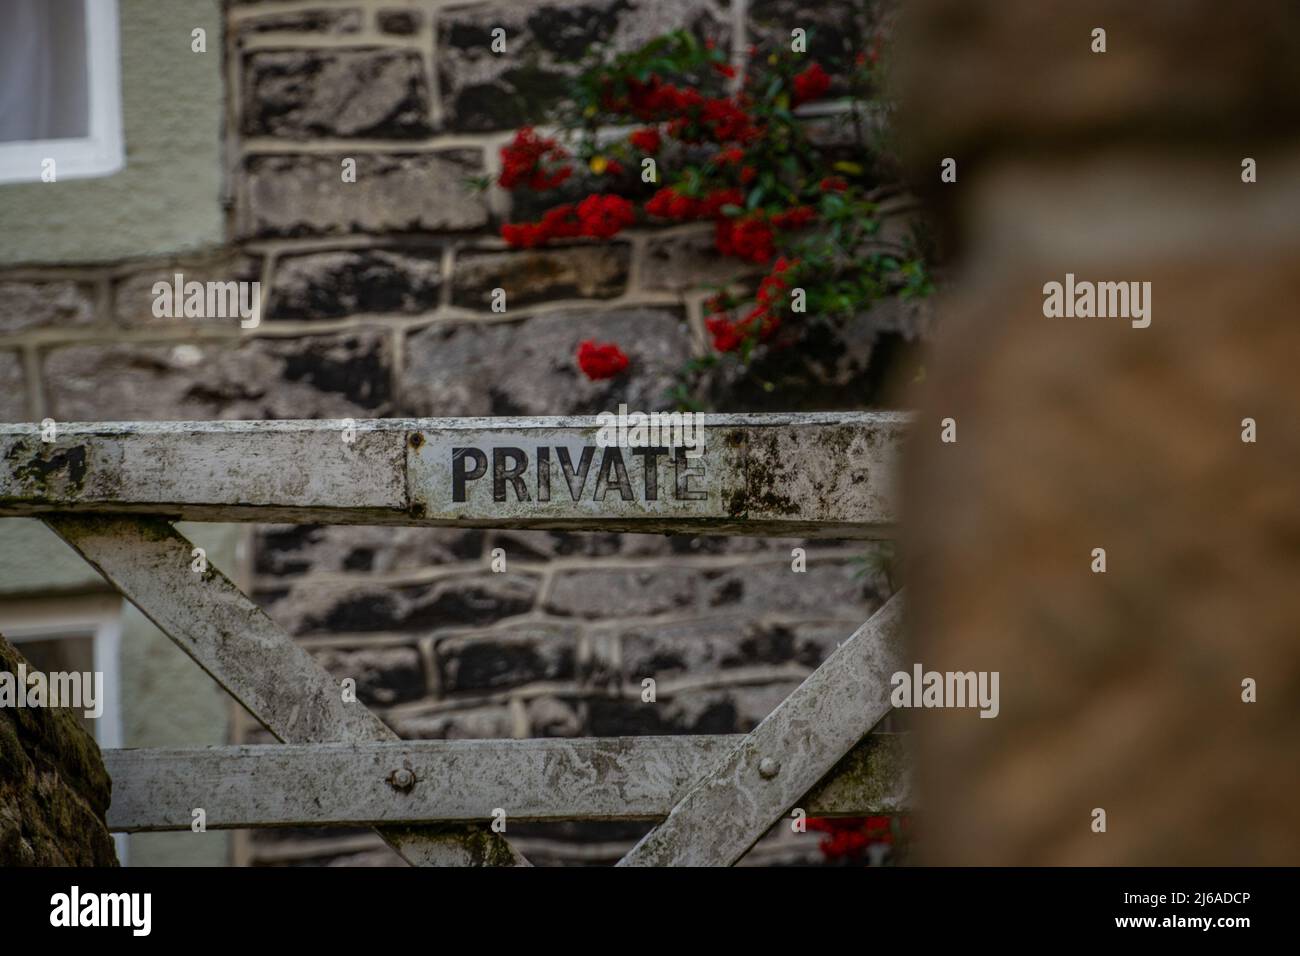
(697, 138)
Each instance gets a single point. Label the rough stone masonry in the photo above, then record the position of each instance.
(54, 790)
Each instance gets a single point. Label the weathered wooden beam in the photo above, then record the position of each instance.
(825, 475)
(612, 778)
(725, 812)
(150, 563)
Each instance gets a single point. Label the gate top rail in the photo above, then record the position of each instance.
(814, 475)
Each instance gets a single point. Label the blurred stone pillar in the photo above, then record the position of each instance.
(1119, 690)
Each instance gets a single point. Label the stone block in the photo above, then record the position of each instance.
(455, 368)
(597, 271)
(354, 281)
(305, 195)
(60, 303)
(328, 376)
(546, 41)
(292, 549)
(335, 93)
(511, 657)
(475, 599)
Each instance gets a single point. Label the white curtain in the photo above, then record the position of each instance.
(44, 92)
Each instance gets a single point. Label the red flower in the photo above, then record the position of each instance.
(662, 204)
(733, 155)
(604, 216)
(600, 361)
(647, 140)
(668, 203)
(559, 223)
(811, 84)
(769, 290)
(726, 69)
(712, 204)
(655, 100)
(749, 238)
(730, 334)
(522, 235)
(851, 837)
(795, 218)
(728, 121)
(833, 184)
(522, 162)
(598, 216)
(726, 334)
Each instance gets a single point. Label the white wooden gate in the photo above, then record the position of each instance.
(113, 490)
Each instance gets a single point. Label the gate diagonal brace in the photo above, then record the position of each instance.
(725, 813)
(242, 649)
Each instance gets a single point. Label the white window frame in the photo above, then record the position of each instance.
(101, 153)
(98, 618)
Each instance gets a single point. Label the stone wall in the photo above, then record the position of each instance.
(376, 303)
(54, 790)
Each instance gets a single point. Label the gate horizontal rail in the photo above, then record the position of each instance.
(615, 778)
(813, 475)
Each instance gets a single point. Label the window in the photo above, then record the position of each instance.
(60, 95)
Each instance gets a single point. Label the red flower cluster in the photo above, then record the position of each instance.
(557, 223)
(735, 156)
(795, 218)
(812, 83)
(522, 162)
(668, 203)
(654, 100)
(690, 115)
(728, 122)
(752, 237)
(597, 216)
(850, 838)
(647, 140)
(600, 361)
(775, 282)
(729, 335)
(731, 124)
(604, 216)
(748, 237)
